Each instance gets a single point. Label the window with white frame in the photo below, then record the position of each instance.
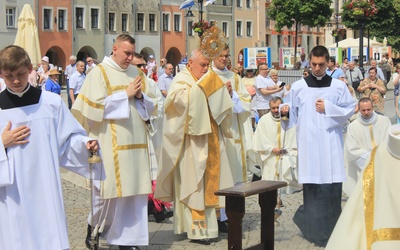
(111, 21)
(239, 28)
(249, 28)
(189, 28)
(10, 17)
(62, 19)
(239, 3)
(248, 4)
(152, 22)
(94, 18)
(124, 22)
(177, 22)
(79, 17)
(225, 28)
(165, 22)
(47, 18)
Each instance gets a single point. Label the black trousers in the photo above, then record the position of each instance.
(317, 217)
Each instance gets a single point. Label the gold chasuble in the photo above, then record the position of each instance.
(371, 218)
(194, 163)
(123, 141)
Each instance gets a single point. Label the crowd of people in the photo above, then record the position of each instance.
(168, 142)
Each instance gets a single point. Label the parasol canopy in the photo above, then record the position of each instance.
(27, 35)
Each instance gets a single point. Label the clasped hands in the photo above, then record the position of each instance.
(134, 89)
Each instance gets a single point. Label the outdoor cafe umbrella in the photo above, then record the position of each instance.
(27, 35)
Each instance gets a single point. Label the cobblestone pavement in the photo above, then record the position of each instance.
(287, 235)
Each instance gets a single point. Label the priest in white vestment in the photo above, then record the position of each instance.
(363, 134)
(115, 105)
(371, 219)
(194, 162)
(277, 147)
(39, 135)
(319, 106)
(239, 146)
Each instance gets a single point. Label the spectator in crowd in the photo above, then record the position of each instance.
(274, 79)
(265, 89)
(115, 104)
(160, 71)
(363, 134)
(39, 135)
(69, 70)
(33, 77)
(45, 60)
(374, 88)
(89, 64)
(319, 106)
(379, 71)
(345, 65)
(151, 63)
(354, 77)
(165, 79)
(249, 81)
(304, 62)
(332, 71)
(186, 172)
(43, 75)
(76, 80)
(52, 84)
(396, 81)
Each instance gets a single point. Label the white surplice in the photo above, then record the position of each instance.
(320, 135)
(31, 202)
(358, 145)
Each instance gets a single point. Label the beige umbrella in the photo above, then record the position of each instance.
(27, 35)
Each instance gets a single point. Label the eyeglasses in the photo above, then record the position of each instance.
(264, 69)
(162, 61)
(88, 61)
(141, 65)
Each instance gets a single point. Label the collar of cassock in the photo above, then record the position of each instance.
(370, 121)
(394, 141)
(10, 99)
(20, 94)
(314, 81)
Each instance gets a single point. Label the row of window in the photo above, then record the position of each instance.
(61, 21)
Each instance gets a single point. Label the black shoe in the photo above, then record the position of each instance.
(223, 226)
(201, 242)
(129, 248)
(163, 215)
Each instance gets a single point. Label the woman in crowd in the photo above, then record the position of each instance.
(52, 84)
(43, 76)
(374, 89)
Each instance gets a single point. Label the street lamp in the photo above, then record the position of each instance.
(189, 3)
(361, 22)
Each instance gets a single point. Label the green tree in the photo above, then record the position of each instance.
(383, 24)
(299, 12)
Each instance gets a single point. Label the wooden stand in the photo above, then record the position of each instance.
(235, 210)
